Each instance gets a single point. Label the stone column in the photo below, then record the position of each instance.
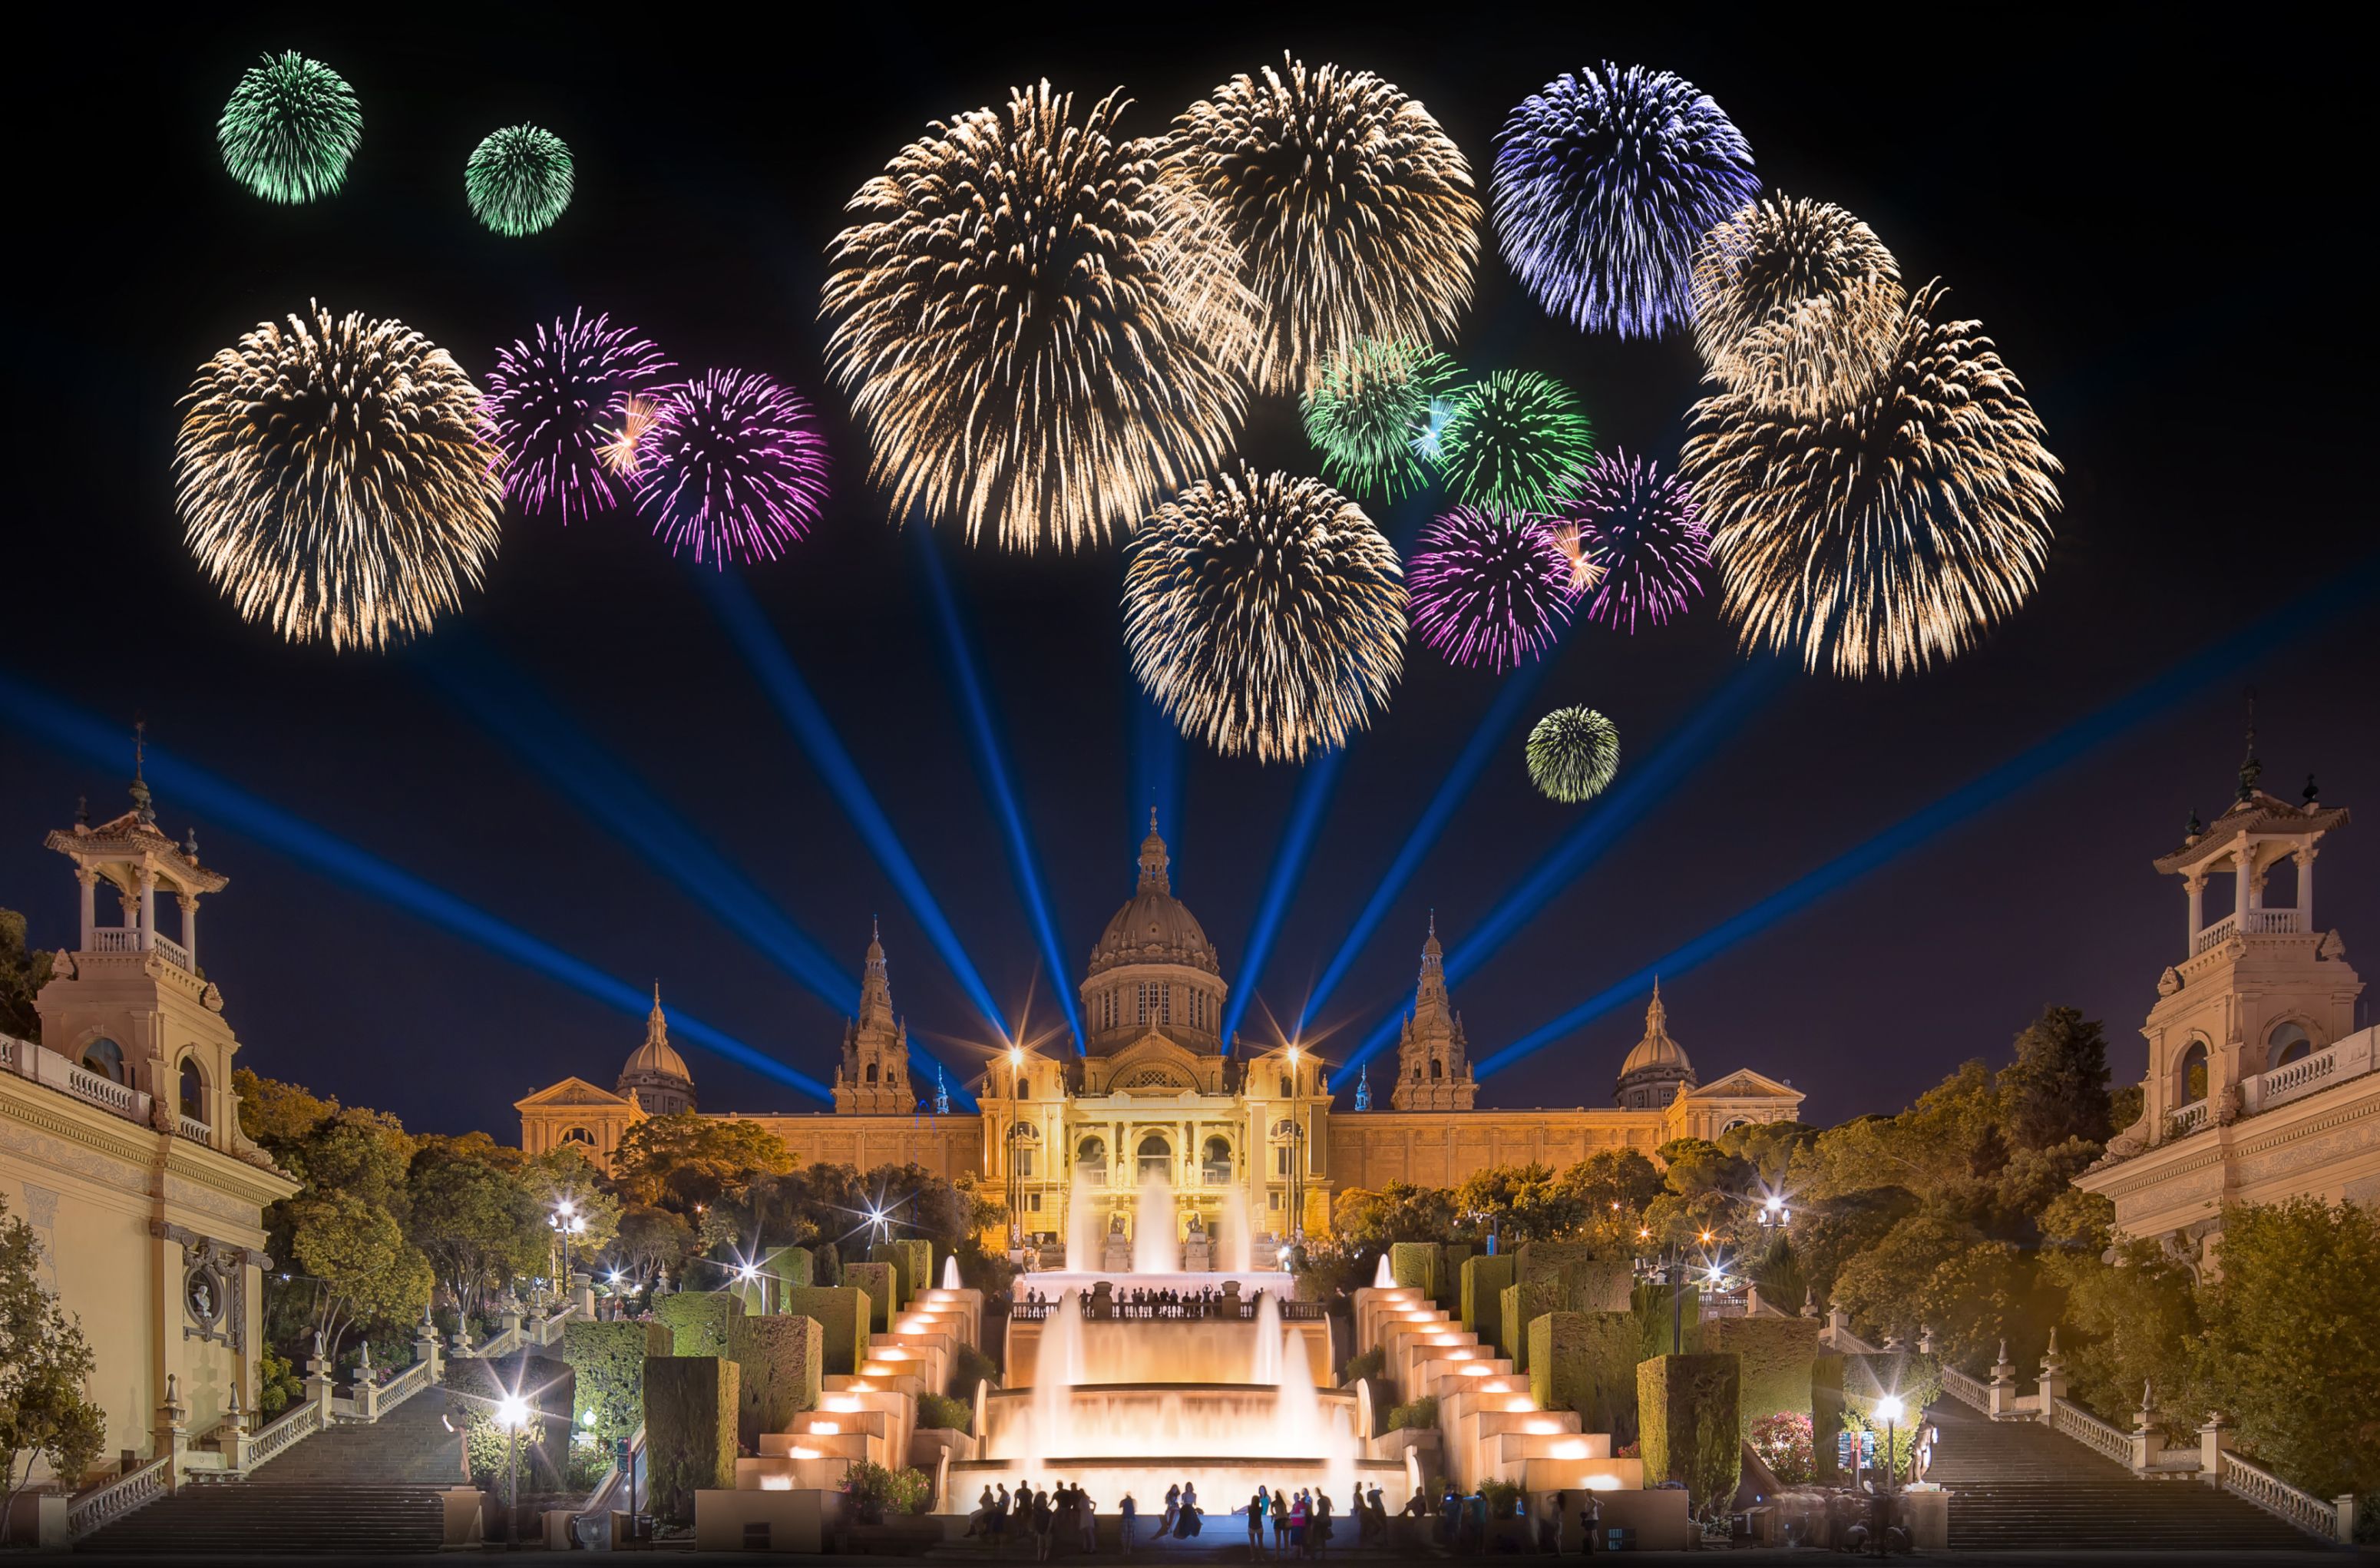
(90, 881)
(2003, 1387)
(318, 1380)
(239, 1426)
(425, 1346)
(2305, 887)
(190, 929)
(148, 908)
(2213, 1442)
(2197, 886)
(2146, 1442)
(2053, 1379)
(2242, 882)
(172, 1434)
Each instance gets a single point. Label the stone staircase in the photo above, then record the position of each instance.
(351, 1488)
(871, 1414)
(2018, 1486)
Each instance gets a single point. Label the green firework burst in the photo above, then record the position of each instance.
(1513, 439)
(518, 180)
(1573, 754)
(289, 128)
(1369, 414)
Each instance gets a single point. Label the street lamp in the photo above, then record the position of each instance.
(512, 1414)
(1288, 1129)
(1774, 1215)
(567, 1222)
(1891, 1409)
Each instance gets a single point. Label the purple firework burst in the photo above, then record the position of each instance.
(559, 401)
(1489, 586)
(732, 465)
(1605, 182)
(1639, 528)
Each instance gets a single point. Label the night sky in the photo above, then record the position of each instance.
(2128, 211)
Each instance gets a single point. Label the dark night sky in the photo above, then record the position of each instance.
(2122, 210)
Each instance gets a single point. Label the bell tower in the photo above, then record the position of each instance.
(1433, 1059)
(873, 1078)
(131, 1007)
(2257, 987)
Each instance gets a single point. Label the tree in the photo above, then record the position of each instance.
(1612, 1186)
(1931, 1148)
(1399, 1211)
(23, 973)
(2291, 1349)
(365, 1273)
(365, 1155)
(653, 1239)
(2056, 1089)
(1518, 1203)
(277, 1116)
(1769, 1148)
(1692, 1167)
(2126, 1326)
(561, 1174)
(44, 1363)
(687, 1161)
(1888, 1289)
(474, 1220)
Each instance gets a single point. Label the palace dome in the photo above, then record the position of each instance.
(1655, 1069)
(655, 1075)
(1155, 927)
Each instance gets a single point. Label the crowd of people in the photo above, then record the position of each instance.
(1205, 1302)
(1063, 1518)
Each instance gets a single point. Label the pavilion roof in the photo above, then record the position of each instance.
(131, 838)
(2257, 812)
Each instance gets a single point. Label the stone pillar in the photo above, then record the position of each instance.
(1838, 1324)
(148, 909)
(2197, 886)
(172, 1434)
(190, 929)
(319, 1386)
(90, 881)
(2214, 1442)
(2146, 1440)
(425, 1347)
(2305, 890)
(2345, 1519)
(2053, 1379)
(2003, 1387)
(2243, 881)
(239, 1426)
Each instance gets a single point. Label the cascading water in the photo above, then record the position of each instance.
(1083, 1237)
(1383, 1277)
(951, 1272)
(1057, 1369)
(1239, 1244)
(1267, 1356)
(1156, 1249)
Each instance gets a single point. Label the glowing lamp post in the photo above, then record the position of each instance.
(567, 1222)
(1891, 1409)
(512, 1414)
(1290, 1131)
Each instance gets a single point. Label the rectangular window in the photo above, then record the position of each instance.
(1276, 1200)
(1141, 994)
(1165, 1005)
(1033, 1202)
(1023, 1162)
(1281, 1161)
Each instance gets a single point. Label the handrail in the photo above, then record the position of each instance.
(404, 1386)
(272, 1441)
(1967, 1390)
(111, 1501)
(2072, 1420)
(2278, 1498)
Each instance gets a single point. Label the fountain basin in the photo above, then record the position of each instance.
(1133, 1420)
(1165, 1350)
(1050, 1281)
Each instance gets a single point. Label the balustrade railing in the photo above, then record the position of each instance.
(173, 953)
(112, 1501)
(2073, 1421)
(1968, 1391)
(1196, 1310)
(271, 1441)
(2189, 1119)
(2276, 1496)
(114, 939)
(2272, 922)
(47, 1068)
(404, 1386)
(192, 1129)
(10, 1047)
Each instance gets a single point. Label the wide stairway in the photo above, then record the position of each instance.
(347, 1489)
(2018, 1486)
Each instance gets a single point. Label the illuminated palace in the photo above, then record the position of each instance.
(1158, 1092)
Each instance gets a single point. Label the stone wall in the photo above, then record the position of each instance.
(1484, 1281)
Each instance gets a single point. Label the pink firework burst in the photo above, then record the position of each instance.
(1639, 528)
(1489, 586)
(732, 465)
(558, 403)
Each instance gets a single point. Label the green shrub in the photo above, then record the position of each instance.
(875, 1492)
(1586, 1362)
(1503, 1498)
(1413, 1264)
(1370, 1364)
(277, 1382)
(882, 1281)
(968, 1367)
(913, 1266)
(1484, 1280)
(1786, 1445)
(1419, 1412)
(697, 1320)
(608, 1363)
(843, 1312)
(826, 1265)
(1777, 1354)
(937, 1411)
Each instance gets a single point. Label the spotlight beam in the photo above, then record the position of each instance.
(749, 629)
(73, 731)
(1289, 861)
(990, 762)
(1977, 795)
(1642, 789)
(1452, 790)
(510, 707)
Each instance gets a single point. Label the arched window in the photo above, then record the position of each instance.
(104, 1057)
(871, 1072)
(1156, 1157)
(1091, 1152)
(1218, 1152)
(1437, 1069)
(578, 1134)
(2192, 1078)
(193, 1086)
(1287, 1088)
(2290, 1043)
(1023, 1087)
(1416, 1072)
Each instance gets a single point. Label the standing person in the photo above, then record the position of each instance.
(1280, 1519)
(1045, 1518)
(1259, 1506)
(1549, 1522)
(1127, 1515)
(1318, 1532)
(1297, 1523)
(1450, 1518)
(996, 1524)
(1474, 1520)
(1590, 1519)
(1086, 1516)
(1172, 1510)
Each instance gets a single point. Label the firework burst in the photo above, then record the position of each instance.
(1042, 333)
(1513, 439)
(1355, 210)
(562, 404)
(1490, 586)
(289, 128)
(518, 180)
(618, 451)
(1264, 613)
(1796, 301)
(1374, 412)
(732, 465)
(1642, 544)
(1573, 753)
(1894, 532)
(1605, 184)
(337, 479)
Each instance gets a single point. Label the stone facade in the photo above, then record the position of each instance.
(2258, 1087)
(1237, 1130)
(120, 1146)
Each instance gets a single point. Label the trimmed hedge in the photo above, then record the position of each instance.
(778, 1363)
(689, 1431)
(698, 1320)
(940, 1412)
(607, 1364)
(1484, 1280)
(789, 1266)
(1421, 1412)
(1587, 1280)
(1827, 1420)
(1452, 1255)
(1657, 1312)
(913, 1265)
(882, 1283)
(1586, 1362)
(1413, 1264)
(842, 1312)
(1777, 1354)
(1688, 1425)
